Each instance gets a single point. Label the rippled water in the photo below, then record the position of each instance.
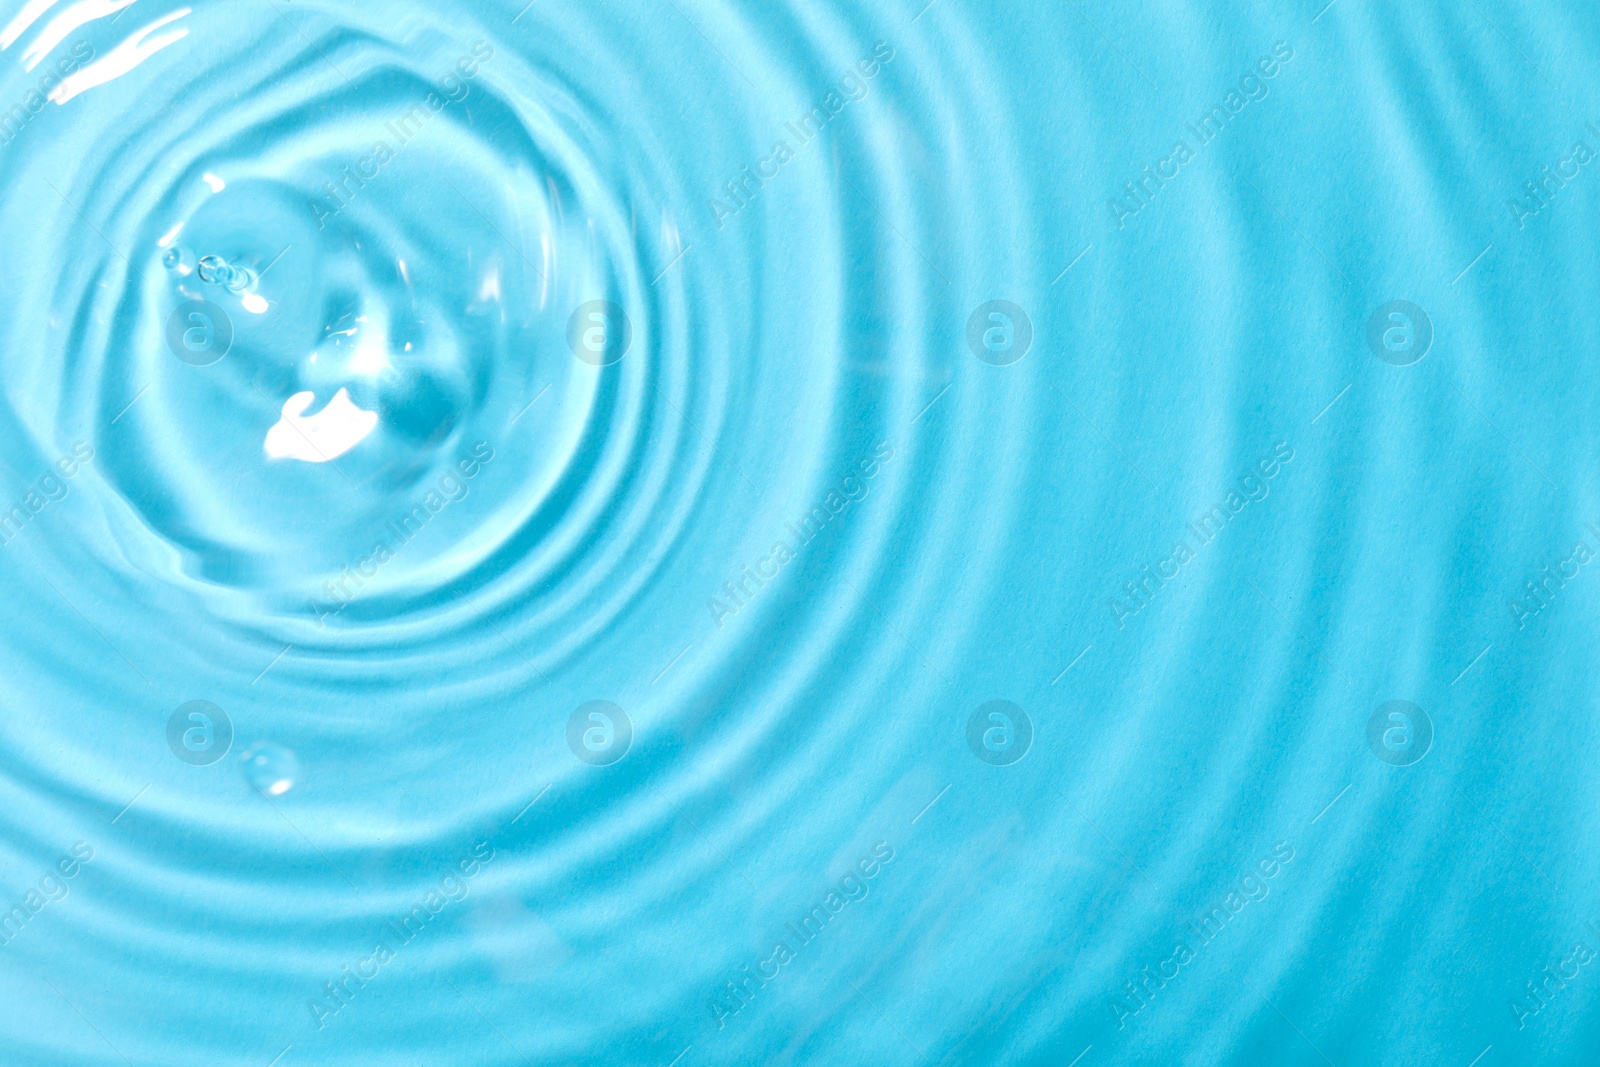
(694, 533)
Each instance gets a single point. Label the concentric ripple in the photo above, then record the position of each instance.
(424, 371)
(808, 532)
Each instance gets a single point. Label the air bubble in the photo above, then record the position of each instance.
(215, 270)
(271, 768)
(178, 260)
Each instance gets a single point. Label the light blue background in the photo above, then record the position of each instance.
(774, 350)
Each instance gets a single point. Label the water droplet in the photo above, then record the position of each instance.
(271, 768)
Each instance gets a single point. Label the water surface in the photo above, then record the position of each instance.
(830, 533)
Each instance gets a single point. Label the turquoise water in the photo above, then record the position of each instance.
(798, 533)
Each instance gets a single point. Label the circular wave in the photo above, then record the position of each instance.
(499, 427)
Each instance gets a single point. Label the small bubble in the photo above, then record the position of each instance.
(212, 269)
(179, 260)
(238, 279)
(271, 768)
